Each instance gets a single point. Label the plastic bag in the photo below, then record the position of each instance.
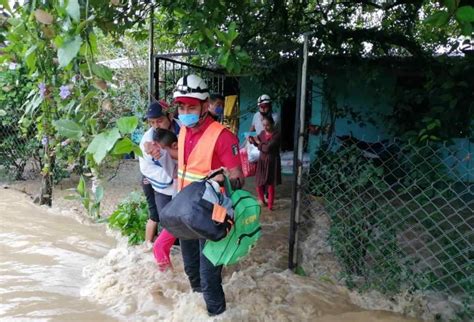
(249, 168)
(252, 152)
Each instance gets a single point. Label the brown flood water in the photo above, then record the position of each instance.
(53, 268)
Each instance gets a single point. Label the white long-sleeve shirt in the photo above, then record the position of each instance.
(153, 170)
(257, 121)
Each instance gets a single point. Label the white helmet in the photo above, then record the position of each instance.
(264, 99)
(191, 86)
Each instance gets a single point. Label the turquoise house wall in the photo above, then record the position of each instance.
(369, 101)
(365, 103)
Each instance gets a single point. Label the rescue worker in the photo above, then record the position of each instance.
(204, 145)
(264, 103)
(157, 185)
(216, 107)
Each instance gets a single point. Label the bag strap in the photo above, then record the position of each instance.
(227, 186)
(213, 174)
(248, 235)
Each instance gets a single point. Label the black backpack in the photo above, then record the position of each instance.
(189, 216)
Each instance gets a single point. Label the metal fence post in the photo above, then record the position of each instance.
(151, 97)
(298, 165)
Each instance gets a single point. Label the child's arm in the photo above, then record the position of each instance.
(168, 163)
(271, 145)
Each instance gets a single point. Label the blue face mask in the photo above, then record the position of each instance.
(219, 110)
(189, 120)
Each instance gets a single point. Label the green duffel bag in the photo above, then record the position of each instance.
(243, 235)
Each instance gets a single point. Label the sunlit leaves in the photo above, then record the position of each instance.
(102, 144)
(127, 124)
(102, 71)
(5, 4)
(68, 129)
(30, 57)
(125, 146)
(68, 50)
(73, 9)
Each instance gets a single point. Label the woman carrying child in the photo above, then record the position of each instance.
(268, 173)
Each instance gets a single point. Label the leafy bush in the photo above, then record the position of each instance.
(130, 218)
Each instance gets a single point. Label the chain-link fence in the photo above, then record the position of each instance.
(118, 181)
(19, 154)
(390, 216)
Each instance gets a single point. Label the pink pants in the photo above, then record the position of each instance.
(162, 248)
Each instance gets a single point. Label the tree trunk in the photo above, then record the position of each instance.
(46, 192)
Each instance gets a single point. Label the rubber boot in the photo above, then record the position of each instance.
(261, 194)
(271, 196)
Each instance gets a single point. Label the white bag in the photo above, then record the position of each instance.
(252, 152)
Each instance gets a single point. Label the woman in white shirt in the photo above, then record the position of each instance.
(264, 103)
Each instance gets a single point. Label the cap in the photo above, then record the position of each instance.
(155, 110)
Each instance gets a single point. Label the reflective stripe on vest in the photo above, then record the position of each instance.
(199, 162)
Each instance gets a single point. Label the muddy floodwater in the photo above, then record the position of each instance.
(58, 266)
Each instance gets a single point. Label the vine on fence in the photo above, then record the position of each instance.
(379, 209)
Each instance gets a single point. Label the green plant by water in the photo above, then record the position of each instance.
(130, 218)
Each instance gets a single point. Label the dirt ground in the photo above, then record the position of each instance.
(117, 187)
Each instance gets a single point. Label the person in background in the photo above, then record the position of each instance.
(155, 178)
(268, 173)
(264, 103)
(204, 145)
(216, 107)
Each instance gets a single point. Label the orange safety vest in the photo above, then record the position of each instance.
(199, 162)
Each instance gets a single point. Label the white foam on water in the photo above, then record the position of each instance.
(128, 281)
(58, 270)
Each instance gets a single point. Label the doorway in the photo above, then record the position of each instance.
(287, 126)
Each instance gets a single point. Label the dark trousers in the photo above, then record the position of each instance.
(203, 275)
(150, 199)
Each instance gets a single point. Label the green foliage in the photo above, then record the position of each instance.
(68, 129)
(17, 146)
(105, 142)
(243, 35)
(127, 125)
(437, 104)
(69, 98)
(130, 218)
(360, 234)
(373, 205)
(90, 201)
(102, 143)
(300, 271)
(55, 48)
